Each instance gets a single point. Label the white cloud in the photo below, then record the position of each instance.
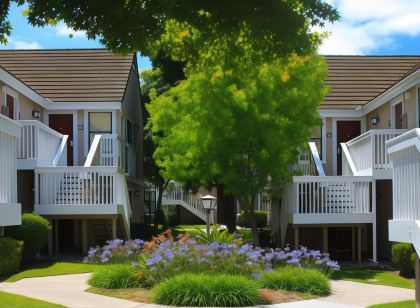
(367, 25)
(63, 30)
(20, 43)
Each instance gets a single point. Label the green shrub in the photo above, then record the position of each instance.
(10, 255)
(118, 276)
(402, 257)
(208, 291)
(260, 216)
(33, 232)
(217, 236)
(296, 279)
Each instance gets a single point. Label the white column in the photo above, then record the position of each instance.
(374, 252)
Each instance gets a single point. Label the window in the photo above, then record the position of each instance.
(129, 133)
(99, 123)
(316, 136)
(10, 106)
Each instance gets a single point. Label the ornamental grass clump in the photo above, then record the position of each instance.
(116, 276)
(116, 251)
(296, 279)
(208, 291)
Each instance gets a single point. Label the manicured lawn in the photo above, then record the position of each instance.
(53, 269)
(17, 301)
(385, 278)
(403, 304)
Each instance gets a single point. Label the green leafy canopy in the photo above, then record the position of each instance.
(241, 127)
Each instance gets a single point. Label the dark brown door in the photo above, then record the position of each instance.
(398, 116)
(10, 103)
(346, 130)
(63, 123)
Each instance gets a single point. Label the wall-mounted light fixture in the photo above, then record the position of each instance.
(136, 128)
(137, 193)
(36, 114)
(375, 120)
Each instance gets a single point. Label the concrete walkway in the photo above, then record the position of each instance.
(69, 291)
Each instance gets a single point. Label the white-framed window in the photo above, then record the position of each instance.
(99, 123)
(318, 136)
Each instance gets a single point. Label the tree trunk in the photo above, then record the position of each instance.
(161, 188)
(226, 211)
(247, 205)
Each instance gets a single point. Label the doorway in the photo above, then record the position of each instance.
(63, 123)
(346, 131)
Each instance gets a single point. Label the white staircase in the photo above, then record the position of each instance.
(176, 195)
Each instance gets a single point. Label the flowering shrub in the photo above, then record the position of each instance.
(164, 257)
(116, 251)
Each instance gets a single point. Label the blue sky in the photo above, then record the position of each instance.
(366, 27)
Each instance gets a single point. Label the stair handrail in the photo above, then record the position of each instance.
(347, 158)
(93, 151)
(316, 159)
(60, 158)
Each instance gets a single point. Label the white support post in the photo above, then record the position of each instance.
(374, 251)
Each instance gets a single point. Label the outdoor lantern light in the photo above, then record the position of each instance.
(36, 114)
(375, 120)
(209, 203)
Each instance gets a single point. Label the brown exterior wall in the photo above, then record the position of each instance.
(384, 114)
(329, 146)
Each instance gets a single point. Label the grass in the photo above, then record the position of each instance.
(208, 291)
(403, 304)
(53, 269)
(142, 295)
(117, 276)
(296, 279)
(385, 278)
(17, 301)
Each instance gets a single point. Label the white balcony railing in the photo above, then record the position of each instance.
(110, 151)
(10, 210)
(309, 162)
(328, 195)
(9, 134)
(39, 146)
(368, 152)
(81, 191)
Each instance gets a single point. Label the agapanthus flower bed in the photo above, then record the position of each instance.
(166, 256)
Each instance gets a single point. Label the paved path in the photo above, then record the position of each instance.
(69, 291)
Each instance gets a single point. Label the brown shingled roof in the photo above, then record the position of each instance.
(356, 80)
(70, 75)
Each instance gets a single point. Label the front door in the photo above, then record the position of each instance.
(346, 130)
(63, 123)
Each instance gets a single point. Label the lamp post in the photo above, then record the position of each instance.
(209, 204)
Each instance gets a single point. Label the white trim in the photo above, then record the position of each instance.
(16, 110)
(23, 89)
(397, 89)
(86, 126)
(334, 135)
(10, 126)
(324, 140)
(417, 106)
(338, 113)
(75, 132)
(84, 105)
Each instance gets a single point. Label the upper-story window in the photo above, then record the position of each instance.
(10, 107)
(100, 123)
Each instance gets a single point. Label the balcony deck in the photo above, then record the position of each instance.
(366, 154)
(40, 146)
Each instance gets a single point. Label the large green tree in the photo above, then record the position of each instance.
(275, 26)
(241, 127)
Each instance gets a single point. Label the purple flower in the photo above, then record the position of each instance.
(256, 275)
(104, 260)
